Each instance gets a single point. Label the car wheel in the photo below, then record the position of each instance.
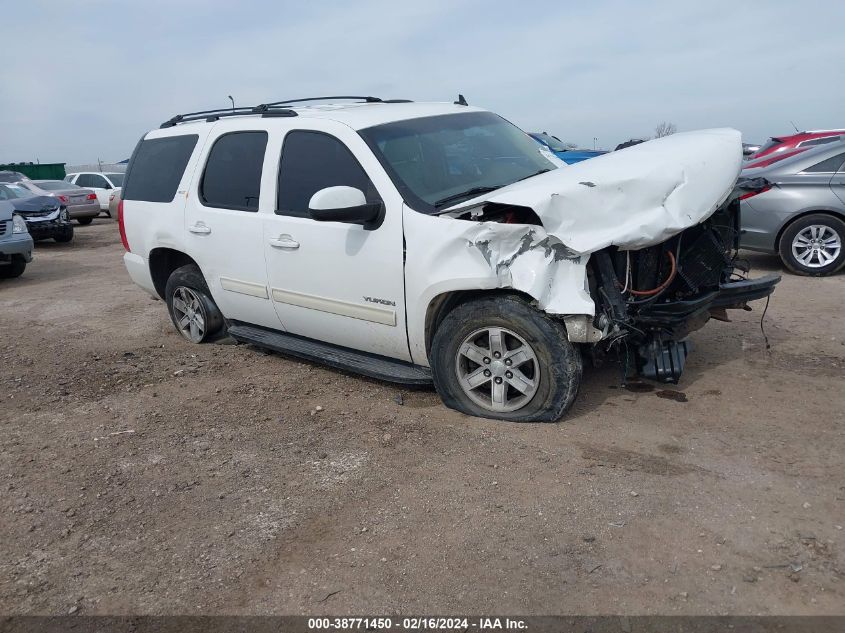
(65, 236)
(13, 269)
(192, 310)
(84, 221)
(498, 357)
(813, 245)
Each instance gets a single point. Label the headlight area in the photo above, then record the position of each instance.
(18, 224)
(649, 300)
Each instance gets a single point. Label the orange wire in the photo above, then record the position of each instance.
(654, 291)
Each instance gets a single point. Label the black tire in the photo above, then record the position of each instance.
(788, 257)
(558, 360)
(13, 269)
(190, 278)
(65, 236)
(85, 221)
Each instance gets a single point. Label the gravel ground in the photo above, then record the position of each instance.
(142, 475)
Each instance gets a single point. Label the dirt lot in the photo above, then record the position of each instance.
(141, 474)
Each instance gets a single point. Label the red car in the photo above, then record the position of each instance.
(780, 147)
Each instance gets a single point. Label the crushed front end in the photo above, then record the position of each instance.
(649, 300)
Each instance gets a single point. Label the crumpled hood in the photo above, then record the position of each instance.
(35, 204)
(637, 197)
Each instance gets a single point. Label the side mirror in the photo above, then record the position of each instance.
(345, 204)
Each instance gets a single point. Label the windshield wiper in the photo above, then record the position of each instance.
(542, 171)
(469, 193)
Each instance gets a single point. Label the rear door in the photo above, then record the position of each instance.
(223, 222)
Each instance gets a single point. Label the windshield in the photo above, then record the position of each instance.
(12, 192)
(554, 144)
(54, 185)
(437, 161)
(116, 179)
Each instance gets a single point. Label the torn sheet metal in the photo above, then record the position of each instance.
(633, 198)
(445, 254)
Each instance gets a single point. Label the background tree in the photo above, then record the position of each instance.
(665, 129)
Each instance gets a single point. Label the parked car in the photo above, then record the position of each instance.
(797, 210)
(46, 217)
(82, 204)
(114, 202)
(800, 140)
(420, 242)
(101, 184)
(12, 176)
(567, 153)
(15, 242)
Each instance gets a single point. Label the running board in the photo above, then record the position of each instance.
(379, 367)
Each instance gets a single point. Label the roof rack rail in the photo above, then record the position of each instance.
(266, 109)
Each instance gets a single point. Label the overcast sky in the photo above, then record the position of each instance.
(84, 80)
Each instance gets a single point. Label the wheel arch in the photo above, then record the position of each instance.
(163, 261)
(444, 303)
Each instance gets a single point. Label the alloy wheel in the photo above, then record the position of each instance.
(189, 314)
(497, 369)
(816, 246)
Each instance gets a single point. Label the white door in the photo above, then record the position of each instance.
(223, 222)
(331, 281)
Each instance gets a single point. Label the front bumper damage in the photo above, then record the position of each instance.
(688, 279)
(47, 224)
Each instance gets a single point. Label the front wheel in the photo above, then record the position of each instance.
(498, 357)
(812, 245)
(192, 310)
(13, 269)
(65, 236)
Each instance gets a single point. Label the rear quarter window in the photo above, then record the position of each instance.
(156, 168)
(827, 166)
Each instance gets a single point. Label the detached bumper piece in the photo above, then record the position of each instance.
(663, 360)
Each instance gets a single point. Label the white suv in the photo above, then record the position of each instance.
(435, 242)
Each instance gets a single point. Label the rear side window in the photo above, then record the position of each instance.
(312, 161)
(819, 141)
(85, 180)
(156, 168)
(232, 176)
(827, 166)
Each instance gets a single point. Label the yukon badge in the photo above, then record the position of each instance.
(381, 301)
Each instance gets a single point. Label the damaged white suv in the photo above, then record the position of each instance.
(420, 242)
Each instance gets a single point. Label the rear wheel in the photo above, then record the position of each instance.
(13, 269)
(85, 221)
(498, 357)
(813, 245)
(191, 308)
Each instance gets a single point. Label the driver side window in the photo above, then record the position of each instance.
(312, 161)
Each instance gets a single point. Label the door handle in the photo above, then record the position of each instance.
(199, 228)
(284, 241)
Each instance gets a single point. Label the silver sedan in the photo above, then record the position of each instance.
(82, 204)
(796, 208)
